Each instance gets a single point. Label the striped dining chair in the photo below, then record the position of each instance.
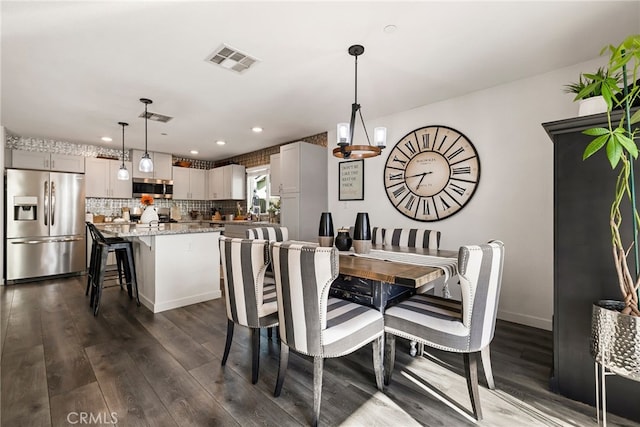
(313, 324)
(250, 302)
(412, 238)
(273, 234)
(465, 326)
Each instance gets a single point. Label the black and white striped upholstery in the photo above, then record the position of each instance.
(462, 327)
(411, 238)
(249, 301)
(311, 323)
(273, 234)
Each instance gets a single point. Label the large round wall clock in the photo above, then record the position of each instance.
(431, 173)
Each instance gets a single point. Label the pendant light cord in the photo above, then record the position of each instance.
(145, 129)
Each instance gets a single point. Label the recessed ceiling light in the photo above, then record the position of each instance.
(106, 139)
(256, 129)
(194, 151)
(220, 142)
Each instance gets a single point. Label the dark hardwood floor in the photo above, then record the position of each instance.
(59, 363)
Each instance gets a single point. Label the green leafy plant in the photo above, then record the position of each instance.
(619, 141)
(590, 85)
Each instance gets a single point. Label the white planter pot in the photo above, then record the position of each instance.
(149, 214)
(593, 105)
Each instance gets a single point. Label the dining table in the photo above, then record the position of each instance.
(388, 274)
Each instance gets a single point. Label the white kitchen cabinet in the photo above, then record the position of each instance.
(188, 183)
(303, 196)
(274, 175)
(102, 180)
(227, 183)
(22, 159)
(290, 168)
(162, 166)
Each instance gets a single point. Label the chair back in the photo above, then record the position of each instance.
(303, 274)
(273, 234)
(244, 263)
(480, 272)
(412, 238)
(96, 235)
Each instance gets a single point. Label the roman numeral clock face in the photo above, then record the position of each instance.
(431, 173)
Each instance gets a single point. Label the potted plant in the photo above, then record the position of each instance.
(616, 324)
(588, 91)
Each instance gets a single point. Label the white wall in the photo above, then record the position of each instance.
(514, 199)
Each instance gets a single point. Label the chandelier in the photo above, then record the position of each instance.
(346, 149)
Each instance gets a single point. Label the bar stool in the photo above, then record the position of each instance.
(100, 249)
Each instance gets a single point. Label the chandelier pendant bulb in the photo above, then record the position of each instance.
(146, 165)
(123, 173)
(345, 131)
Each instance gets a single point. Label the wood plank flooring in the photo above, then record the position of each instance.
(129, 367)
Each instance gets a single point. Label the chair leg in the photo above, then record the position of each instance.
(486, 365)
(104, 253)
(378, 349)
(120, 266)
(92, 267)
(389, 356)
(318, 363)
(282, 369)
(132, 272)
(471, 372)
(255, 354)
(227, 345)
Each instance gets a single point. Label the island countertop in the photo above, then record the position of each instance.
(136, 230)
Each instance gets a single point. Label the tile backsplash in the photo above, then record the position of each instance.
(113, 207)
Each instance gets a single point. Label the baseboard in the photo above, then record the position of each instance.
(523, 319)
(181, 302)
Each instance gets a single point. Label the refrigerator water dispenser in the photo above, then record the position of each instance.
(25, 208)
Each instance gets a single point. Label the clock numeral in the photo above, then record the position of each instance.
(395, 176)
(444, 203)
(456, 188)
(399, 191)
(409, 146)
(455, 153)
(442, 142)
(461, 170)
(425, 141)
(410, 202)
(425, 207)
(402, 162)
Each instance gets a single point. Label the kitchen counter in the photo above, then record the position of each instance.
(177, 264)
(134, 230)
(238, 228)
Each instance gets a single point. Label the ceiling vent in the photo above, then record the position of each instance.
(156, 117)
(231, 59)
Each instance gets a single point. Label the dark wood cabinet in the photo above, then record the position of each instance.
(583, 263)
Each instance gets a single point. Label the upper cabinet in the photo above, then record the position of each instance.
(102, 179)
(227, 183)
(162, 167)
(274, 175)
(290, 158)
(22, 159)
(189, 184)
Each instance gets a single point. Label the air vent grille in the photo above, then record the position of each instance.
(156, 117)
(231, 59)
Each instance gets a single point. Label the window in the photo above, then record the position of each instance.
(258, 189)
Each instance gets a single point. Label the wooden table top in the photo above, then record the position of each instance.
(393, 271)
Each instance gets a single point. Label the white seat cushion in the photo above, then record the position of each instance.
(349, 327)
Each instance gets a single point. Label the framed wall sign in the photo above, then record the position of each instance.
(351, 180)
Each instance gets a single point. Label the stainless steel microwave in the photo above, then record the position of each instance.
(156, 188)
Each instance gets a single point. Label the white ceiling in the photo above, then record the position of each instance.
(72, 70)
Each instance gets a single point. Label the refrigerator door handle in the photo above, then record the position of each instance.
(53, 203)
(46, 202)
(39, 242)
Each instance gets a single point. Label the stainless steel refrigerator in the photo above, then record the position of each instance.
(45, 230)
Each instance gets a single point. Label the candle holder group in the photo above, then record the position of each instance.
(361, 234)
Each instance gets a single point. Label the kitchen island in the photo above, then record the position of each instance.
(177, 264)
